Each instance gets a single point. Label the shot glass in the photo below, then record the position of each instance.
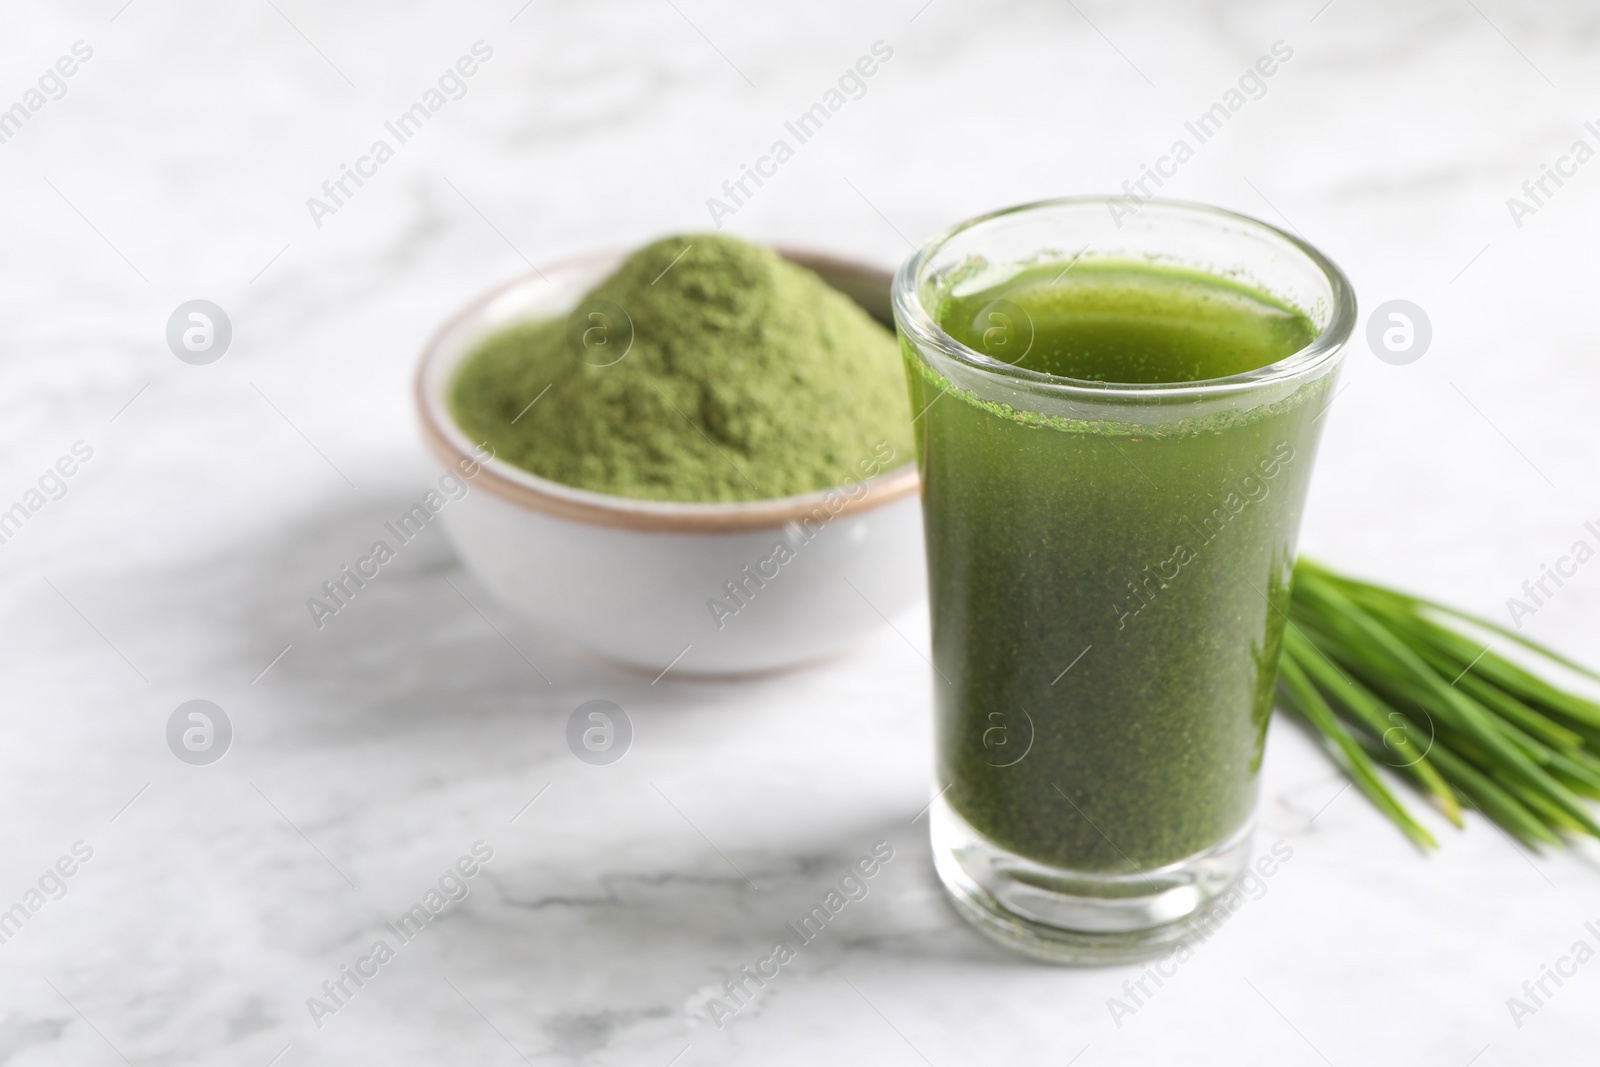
(1109, 570)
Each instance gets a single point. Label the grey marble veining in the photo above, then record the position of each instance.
(371, 754)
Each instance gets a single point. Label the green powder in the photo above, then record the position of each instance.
(704, 369)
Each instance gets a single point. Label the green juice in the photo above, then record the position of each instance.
(1107, 596)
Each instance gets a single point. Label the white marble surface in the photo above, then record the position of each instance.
(376, 751)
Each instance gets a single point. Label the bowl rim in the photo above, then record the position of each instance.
(449, 444)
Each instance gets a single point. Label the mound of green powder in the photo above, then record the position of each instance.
(704, 369)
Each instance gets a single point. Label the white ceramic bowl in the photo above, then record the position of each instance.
(640, 581)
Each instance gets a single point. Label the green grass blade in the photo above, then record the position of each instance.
(1396, 733)
(1539, 804)
(1347, 615)
(1511, 709)
(1506, 740)
(1456, 659)
(1466, 616)
(1309, 703)
(1494, 802)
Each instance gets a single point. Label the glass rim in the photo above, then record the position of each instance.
(919, 324)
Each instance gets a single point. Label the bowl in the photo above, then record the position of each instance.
(710, 589)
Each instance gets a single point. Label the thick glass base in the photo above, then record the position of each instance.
(1080, 916)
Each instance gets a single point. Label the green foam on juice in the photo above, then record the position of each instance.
(1117, 321)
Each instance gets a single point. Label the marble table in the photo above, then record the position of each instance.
(207, 904)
